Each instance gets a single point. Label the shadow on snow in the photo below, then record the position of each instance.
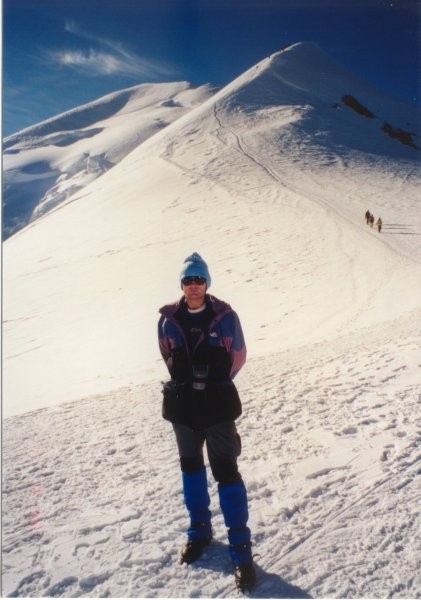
(269, 585)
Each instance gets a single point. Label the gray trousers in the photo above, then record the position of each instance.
(223, 445)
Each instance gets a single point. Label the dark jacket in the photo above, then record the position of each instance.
(218, 355)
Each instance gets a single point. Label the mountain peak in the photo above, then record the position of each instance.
(48, 163)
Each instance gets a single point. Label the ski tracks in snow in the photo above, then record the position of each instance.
(360, 268)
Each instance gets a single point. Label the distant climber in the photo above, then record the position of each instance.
(379, 224)
(367, 216)
(371, 220)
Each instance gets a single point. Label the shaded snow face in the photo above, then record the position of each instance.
(22, 189)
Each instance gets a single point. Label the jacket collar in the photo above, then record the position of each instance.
(219, 307)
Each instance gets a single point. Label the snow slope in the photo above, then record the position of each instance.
(47, 163)
(269, 180)
(93, 504)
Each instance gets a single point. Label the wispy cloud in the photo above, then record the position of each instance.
(107, 57)
(97, 62)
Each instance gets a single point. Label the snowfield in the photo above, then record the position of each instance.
(269, 180)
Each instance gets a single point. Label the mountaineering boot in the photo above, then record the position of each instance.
(196, 498)
(234, 506)
(192, 550)
(245, 576)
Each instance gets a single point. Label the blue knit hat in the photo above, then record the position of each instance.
(195, 265)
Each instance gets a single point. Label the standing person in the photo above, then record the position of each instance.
(202, 344)
(379, 224)
(371, 220)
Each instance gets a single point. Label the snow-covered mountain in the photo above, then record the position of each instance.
(269, 180)
(49, 162)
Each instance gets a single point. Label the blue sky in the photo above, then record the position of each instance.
(58, 54)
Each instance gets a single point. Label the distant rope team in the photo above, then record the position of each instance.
(369, 218)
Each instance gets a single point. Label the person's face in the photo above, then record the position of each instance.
(194, 289)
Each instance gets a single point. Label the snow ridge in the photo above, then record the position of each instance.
(49, 162)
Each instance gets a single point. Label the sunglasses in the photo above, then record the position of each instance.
(194, 279)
